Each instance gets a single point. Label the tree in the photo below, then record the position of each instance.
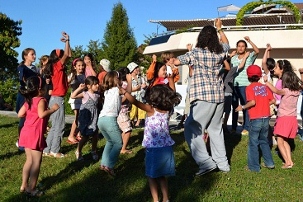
(119, 45)
(9, 32)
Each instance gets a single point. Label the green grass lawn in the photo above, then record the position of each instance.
(68, 180)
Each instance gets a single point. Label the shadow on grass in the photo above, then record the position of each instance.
(231, 141)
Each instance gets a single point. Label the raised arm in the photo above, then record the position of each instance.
(223, 37)
(77, 93)
(255, 48)
(67, 50)
(264, 59)
(272, 88)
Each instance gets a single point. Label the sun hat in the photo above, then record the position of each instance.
(254, 70)
(105, 63)
(131, 66)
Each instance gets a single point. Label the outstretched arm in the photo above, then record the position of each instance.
(77, 93)
(255, 48)
(272, 88)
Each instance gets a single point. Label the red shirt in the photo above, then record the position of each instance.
(59, 80)
(101, 76)
(262, 96)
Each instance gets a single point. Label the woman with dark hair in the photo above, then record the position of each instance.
(241, 81)
(206, 97)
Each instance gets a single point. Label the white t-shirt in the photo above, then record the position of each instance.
(112, 103)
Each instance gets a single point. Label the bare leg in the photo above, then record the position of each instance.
(81, 144)
(125, 139)
(153, 188)
(73, 129)
(35, 169)
(26, 169)
(288, 152)
(283, 150)
(164, 188)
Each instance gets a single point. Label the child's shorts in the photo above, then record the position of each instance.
(124, 122)
(159, 162)
(286, 126)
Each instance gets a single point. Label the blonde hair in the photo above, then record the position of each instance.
(166, 56)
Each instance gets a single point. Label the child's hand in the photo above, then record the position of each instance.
(81, 86)
(65, 37)
(239, 108)
(246, 54)
(143, 85)
(154, 58)
(189, 46)
(265, 78)
(268, 47)
(55, 107)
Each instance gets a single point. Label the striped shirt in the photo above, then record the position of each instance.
(241, 77)
(206, 83)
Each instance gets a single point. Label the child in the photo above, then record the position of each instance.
(136, 114)
(104, 68)
(88, 115)
(26, 69)
(159, 159)
(123, 117)
(107, 122)
(76, 77)
(157, 74)
(32, 134)
(56, 68)
(42, 62)
(89, 65)
(259, 98)
(286, 124)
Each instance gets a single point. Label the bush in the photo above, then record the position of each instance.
(9, 90)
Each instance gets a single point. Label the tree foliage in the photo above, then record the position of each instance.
(119, 45)
(9, 32)
(251, 5)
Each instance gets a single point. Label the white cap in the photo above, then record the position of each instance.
(131, 66)
(105, 63)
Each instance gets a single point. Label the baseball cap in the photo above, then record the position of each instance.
(131, 66)
(254, 70)
(105, 63)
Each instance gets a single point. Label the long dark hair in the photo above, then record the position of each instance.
(54, 57)
(158, 66)
(208, 38)
(291, 81)
(33, 85)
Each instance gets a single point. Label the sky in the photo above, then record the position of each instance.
(43, 21)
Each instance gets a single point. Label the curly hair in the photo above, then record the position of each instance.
(162, 97)
(208, 38)
(34, 84)
(291, 81)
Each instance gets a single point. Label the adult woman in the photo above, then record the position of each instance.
(206, 96)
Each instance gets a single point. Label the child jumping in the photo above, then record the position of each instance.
(159, 159)
(88, 114)
(258, 98)
(286, 124)
(32, 134)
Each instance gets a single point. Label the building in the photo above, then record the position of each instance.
(266, 24)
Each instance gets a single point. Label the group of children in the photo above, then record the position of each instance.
(98, 106)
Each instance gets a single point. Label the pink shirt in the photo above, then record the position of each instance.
(288, 105)
(279, 87)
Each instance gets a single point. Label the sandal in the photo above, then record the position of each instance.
(72, 142)
(79, 156)
(94, 155)
(57, 155)
(45, 154)
(35, 193)
(126, 152)
(108, 170)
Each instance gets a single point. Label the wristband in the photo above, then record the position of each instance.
(220, 30)
(243, 107)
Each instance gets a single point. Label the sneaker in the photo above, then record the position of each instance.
(20, 148)
(244, 132)
(203, 172)
(269, 167)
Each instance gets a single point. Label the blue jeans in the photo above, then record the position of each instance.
(109, 128)
(239, 94)
(258, 133)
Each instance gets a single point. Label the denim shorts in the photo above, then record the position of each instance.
(159, 162)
